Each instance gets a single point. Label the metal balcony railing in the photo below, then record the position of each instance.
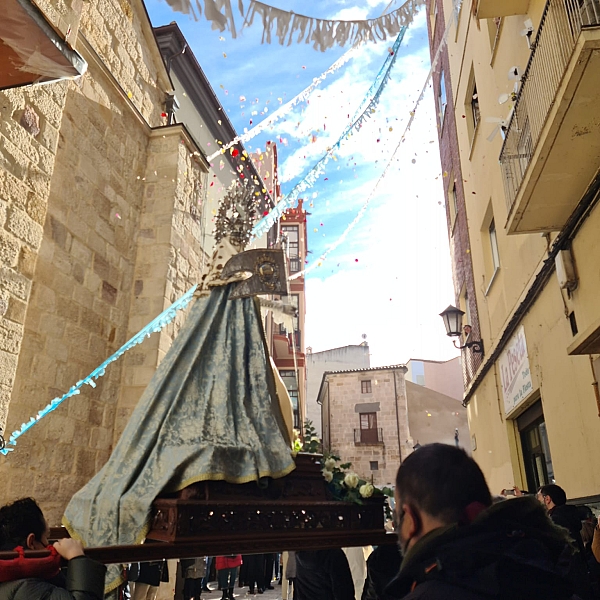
(368, 436)
(560, 26)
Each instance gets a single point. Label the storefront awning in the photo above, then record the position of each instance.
(31, 51)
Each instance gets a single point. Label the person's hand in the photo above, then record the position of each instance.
(518, 492)
(69, 548)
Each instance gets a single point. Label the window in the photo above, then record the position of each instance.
(374, 465)
(472, 114)
(291, 384)
(442, 99)
(293, 246)
(452, 202)
(368, 433)
(475, 107)
(454, 198)
(368, 421)
(295, 301)
(573, 323)
(365, 387)
(536, 447)
(494, 245)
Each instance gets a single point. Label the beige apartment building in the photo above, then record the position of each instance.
(374, 418)
(517, 87)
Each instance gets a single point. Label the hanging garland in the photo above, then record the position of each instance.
(364, 112)
(289, 27)
(169, 314)
(286, 108)
(153, 327)
(363, 209)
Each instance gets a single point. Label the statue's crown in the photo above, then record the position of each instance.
(237, 214)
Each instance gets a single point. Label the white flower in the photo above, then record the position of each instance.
(351, 480)
(329, 464)
(328, 476)
(366, 491)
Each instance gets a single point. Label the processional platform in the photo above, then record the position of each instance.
(213, 518)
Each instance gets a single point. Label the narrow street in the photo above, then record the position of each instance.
(243, 593)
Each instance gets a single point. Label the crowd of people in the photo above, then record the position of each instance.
(456, 541)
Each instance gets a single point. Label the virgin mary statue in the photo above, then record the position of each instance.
(211, 411)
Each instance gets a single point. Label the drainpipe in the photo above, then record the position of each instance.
(397, 417)
(595, 385)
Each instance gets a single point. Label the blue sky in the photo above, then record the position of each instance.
(391, 277)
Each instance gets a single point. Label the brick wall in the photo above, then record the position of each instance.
(458, 232)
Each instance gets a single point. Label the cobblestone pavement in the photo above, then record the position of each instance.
(244, 594)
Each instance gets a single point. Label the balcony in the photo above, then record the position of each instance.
(368, 437)
(550, 153)
(488, 9)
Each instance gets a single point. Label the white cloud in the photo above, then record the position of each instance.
(402, 280)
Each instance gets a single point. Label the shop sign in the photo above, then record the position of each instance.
(514, 371)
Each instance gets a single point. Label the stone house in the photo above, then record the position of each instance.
(335, 359)
(374, 418)
(100, 230)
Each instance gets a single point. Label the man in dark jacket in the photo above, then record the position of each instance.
(323, 575)
(22, 525)
(383, 565)
(554, 498)
(457, 546)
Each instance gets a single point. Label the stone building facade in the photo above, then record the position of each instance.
(99, 233)
(365, 420)
(374, 418)
(336, 359)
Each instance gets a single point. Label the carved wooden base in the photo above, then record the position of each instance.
(214, 518)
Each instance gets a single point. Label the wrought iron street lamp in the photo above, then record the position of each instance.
(452, 317)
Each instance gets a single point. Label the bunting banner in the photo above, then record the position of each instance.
(288, 27)
(153, 327)
(282, 111)
(363, 209)
(364, 112)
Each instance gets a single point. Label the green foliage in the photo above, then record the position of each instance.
(312, 443)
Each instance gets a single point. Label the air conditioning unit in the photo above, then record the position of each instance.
(565, 270)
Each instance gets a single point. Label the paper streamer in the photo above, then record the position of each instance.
(286, 108)
(154, 326)
(363, 209)
(368, 104)
(289, 27)
(169, 314)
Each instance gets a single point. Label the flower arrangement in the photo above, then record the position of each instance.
(347, 486)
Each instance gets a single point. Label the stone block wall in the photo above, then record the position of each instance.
(392, 417)
(169, 257)
(80, 270)
(29, 131)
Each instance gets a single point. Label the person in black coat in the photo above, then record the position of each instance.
(22, 524)
(554, 498)
(457, 546)
(254, 572)
(323, 575)
(383, 566)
